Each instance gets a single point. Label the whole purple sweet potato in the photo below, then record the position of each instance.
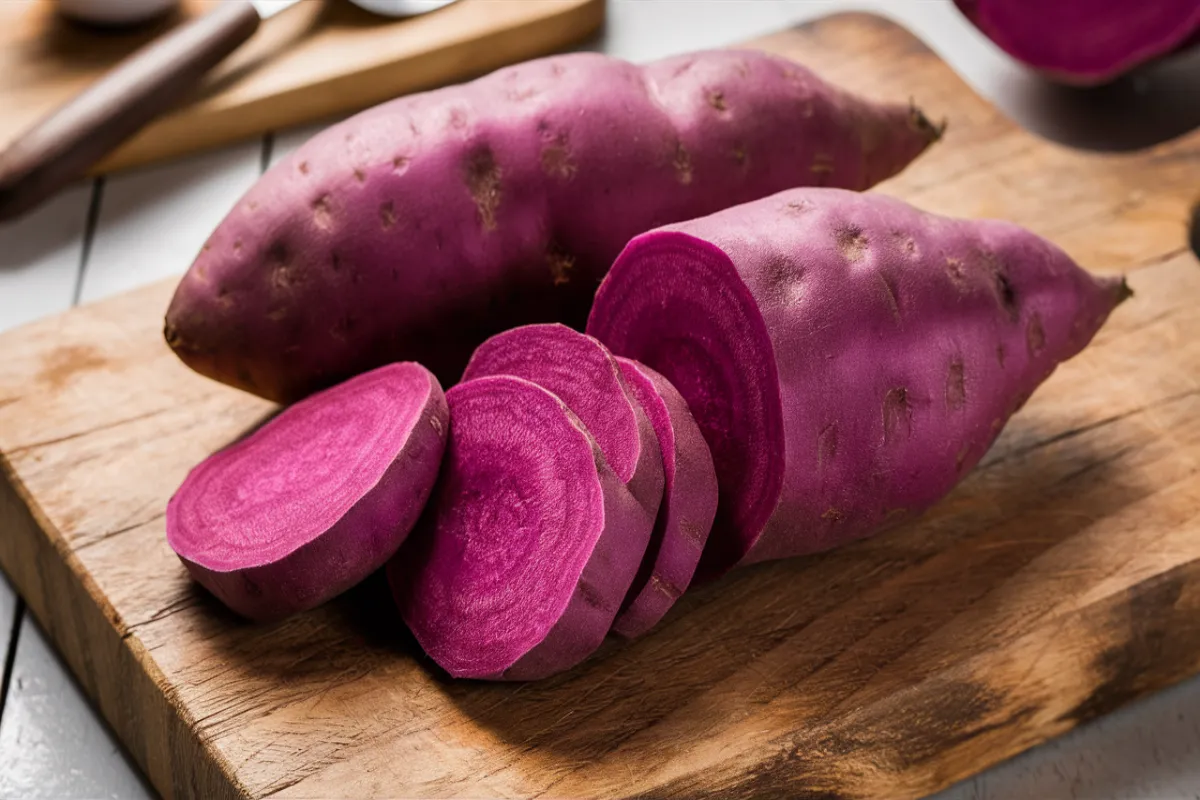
(848, 357)
(529, 543)
(315, 500)
(417, 229)
(1086, 42)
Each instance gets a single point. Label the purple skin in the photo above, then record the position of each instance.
(583, 374)
(848, 357)
(529, 544)
(315, 500)
(419, 228)
(1086, 42)
(688, 508)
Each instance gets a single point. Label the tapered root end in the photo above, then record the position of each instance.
(923, 125)
(1121, 291)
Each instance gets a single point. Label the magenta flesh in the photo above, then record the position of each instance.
(583, 374)
(529, 544)
(417, 229)
(688, 508)
(848, 357)
(1086, 41)
(315, 500)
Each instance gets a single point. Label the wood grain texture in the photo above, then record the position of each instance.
(1060, 581)
(324, 57)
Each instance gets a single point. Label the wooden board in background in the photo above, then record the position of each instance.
(1060, 581)
(322, 58)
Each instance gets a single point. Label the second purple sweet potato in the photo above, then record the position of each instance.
(417, 229)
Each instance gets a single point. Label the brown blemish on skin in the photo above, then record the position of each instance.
(278, 314)
(956, 386)
(1001, 355)
(799, 207)
(822, 164)
(956, 270)
(237, 245)
(743, 69)
(960, 458)
(520, 95)
(783, 278)
(852, 243)
(387, 215)
(590, 596)
(436, 424)
(223, 297)
(906, 243)
(303, 168)
(359, 175)
(807, 111)
(483, 182)
(458, 119)
(1035, 334)
(561, 263)
(833, 515)
(323, 212)
(252, 205)
(739, 155)
(682, 68)
(557, 69)
(694, 533)
(889, 296)
(1006, 294)
(897, 415)
(683, 164)
(64, 363)
(279, 259)
(827, 444)
(556, 158)
(400, 164)
(664, 588)
(335, 262)
(716, 99)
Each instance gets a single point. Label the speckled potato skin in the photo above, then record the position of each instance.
(417, 229)
(896, 346)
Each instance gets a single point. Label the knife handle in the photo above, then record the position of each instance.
(71, 140)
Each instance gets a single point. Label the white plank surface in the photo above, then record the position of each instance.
(52, 744)
(40, 257)
(150, 224)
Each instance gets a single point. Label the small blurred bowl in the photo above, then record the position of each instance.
(115, 13)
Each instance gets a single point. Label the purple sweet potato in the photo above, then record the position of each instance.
(528, 545)
(583, 374)
(1086, 42)
(316, 499)
(848, 357)
(688, 507)
(417, 229)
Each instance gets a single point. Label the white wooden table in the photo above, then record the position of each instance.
(112, 235)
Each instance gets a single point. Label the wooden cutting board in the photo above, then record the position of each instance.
(322, 58)
(1060, 581)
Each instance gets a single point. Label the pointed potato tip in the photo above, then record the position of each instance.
(1122, 291)
(922, 124)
